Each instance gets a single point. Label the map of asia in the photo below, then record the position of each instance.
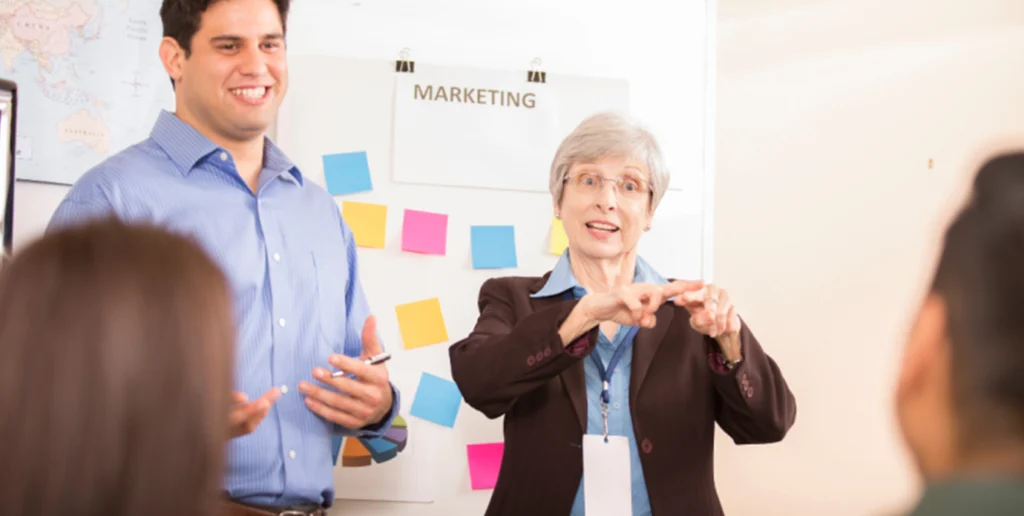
(90, 82)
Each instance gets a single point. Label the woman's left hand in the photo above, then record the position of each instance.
(714, 315)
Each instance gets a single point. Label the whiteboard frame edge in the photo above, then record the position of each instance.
(710, 71)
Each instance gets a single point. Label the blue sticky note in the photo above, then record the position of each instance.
(437, 400)
(494, 247)
(347, 173)
(335, 448)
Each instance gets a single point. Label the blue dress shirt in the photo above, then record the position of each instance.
(620, 422)
(291, 262)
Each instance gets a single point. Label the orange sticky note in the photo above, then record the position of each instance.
(559, 240)
(421, 323)
(368, 222)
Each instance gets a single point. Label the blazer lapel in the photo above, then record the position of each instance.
(645, 346)
(573, 378)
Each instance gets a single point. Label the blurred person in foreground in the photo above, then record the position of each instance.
(116, 346)
(960, 396)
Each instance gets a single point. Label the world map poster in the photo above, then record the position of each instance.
(90, 81)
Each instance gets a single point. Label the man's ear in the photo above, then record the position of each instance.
(927, 346)
(173, 57)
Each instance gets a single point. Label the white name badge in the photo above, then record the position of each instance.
(607, 489)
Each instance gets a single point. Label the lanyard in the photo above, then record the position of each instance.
(606, 374)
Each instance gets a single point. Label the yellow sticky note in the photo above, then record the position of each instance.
(559, 241)
(421, 323)
(367, 222)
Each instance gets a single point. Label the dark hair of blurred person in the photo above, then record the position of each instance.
(116, 346)
(960, 399)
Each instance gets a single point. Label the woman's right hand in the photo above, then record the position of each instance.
(634, 304)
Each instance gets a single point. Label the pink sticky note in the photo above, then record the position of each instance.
(424, 232)
(484, 463)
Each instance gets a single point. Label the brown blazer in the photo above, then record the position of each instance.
(513, 364)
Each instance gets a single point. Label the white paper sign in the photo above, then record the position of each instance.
(458, 126)
(607, 488)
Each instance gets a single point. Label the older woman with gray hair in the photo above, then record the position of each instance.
(610, 377)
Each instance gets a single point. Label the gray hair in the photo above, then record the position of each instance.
(610, 135)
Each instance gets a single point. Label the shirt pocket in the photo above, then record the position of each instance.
(331, 266)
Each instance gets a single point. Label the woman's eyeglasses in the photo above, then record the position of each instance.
(627, 186)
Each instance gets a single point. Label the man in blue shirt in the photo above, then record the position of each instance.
(207, 170)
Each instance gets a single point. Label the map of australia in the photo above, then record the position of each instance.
(89, 80)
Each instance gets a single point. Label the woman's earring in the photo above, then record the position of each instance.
(648, 228)
(558, 215)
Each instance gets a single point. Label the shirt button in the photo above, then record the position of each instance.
(291, 454)
(277, 257)
(281, 322)
(284, 389)
(223, 156)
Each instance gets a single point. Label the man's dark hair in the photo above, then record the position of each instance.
(980, 277)
(181, 19)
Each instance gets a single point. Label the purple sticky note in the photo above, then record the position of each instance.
(484, 464)
(424, 232)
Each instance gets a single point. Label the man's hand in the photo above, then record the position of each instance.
(352, 402)
(245, 415)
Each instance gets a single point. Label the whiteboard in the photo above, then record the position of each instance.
(341, 99)
(339, 105)
(665, 51)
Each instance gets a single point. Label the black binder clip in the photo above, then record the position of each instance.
(535, 74)
(404, 64)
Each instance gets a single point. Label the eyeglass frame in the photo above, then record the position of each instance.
(618, 183)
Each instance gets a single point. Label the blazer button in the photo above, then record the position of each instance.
(530, 361)
(646, 446)
(539, 356)
(547, 352)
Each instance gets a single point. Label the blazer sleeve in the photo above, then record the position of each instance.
(755, 404)
(505, 357)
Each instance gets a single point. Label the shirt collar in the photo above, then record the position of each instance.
(275, 159)
(562, 279)
(186, 146)
(980, 495)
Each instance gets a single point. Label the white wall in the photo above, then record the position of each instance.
(34, 203)
(827, 216)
